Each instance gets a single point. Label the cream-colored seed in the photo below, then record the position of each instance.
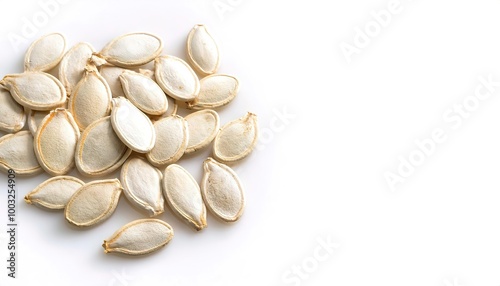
(35, 118)
(144, 93)
(236, 139)
(139, 237)
(112, 76)
(176, 78)
(202, 126)
(172, 138)
(202, 50)
(16, 153)
(54, 193)
(215, 91)
(93, 203)
(72, 66)
(45, 53)
(12, 114)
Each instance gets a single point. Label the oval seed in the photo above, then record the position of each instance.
(45, 53)
(144, 93)
(202, 50)
(132, 126)
(176, 78)
(91, 99)
(35, 118)
(112, 76)
(202, 126)
(139, 237)
(222, 191)
(54, 193)
(183, 195)
(12, 114)
(171, 141)
(236, 139)
(93, 203)
(99, 150)
(142, 186)
(215, 91)
(35, 90)
(16, 153)
(72, 66)
(55, 142)
(171, 110)
(132, 50)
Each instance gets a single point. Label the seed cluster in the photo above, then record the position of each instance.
(104, 111)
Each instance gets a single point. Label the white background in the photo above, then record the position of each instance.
(318, 174)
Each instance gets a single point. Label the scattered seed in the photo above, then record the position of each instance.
(202, 126)
(12, 114)
(45, 53)
(35, 118)
(202, 50)
(144, 93)
(16, 153)
(112, 76)
(215, 91)
(72, 66)
(236, 139)
(54, 193)
(176, 78)
(171, 141)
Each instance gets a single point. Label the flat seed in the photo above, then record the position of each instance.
(45, 53)
(139, 237)
(183, 195)
(93, 203)
(202, 50)
(176, 78)
(72, 66)
(236, 139)
(142, 186)
(222, 191)
(171, 141)
(112, 76)
(16, 153)
(132, 126)
(171, 110)
(55, 142)
(91, 99)
(54, 193)
(99, 150)
(12, 114)
(144, 93)
(202, 126)
(35, 118)
(35, 90)
(132, 50)
(215, 91)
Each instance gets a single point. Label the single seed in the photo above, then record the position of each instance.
(72, 66)
(202, 50)
(139, 237)
(202, 126)
(144, 93)
(215, 91)
(236, 139)
(35, 118)
(16, 153)
(45, 53)
(176, 78)
(172, 138)
(12, 114)
(54, 193)
(112, 76)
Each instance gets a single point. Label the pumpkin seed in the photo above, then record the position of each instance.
(171, 110)
(176, 78)
(131, 50)
(183, 195)
(144, 93)
(132, 126)
(171, 141)
(202, 126)
(35, 90)
(215, 91)
(142, 186)
(202, 50)
(45, 53)
(72, 66)
(236, 139)
(54, 193)
(35, 118)
(112, 76)
(222, 191)
(16, 153)
(91, 98)
(55, 142)
(12, 114)
(93, 203)
(139, 237)
(99, 150)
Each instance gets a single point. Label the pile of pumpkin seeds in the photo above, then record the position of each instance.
(105, 111)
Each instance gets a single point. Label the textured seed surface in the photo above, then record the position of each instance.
(172, 138)
(45, 53)
(35, 118)
(93, 203)
(12, 114)
(72, 66)
(176, 78)
(236, 139)
(184, 197)
(142, 186)
(55, 142)
(202, 50)
(132, 126)
(16, 152)
(139, 237)
(99, 150)
(91, 99)
(54, 193)
(132, 50)
(112, 76)
(35, 90)
(202, 126)
(144, 93)
(222, 191)
(215, 91)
